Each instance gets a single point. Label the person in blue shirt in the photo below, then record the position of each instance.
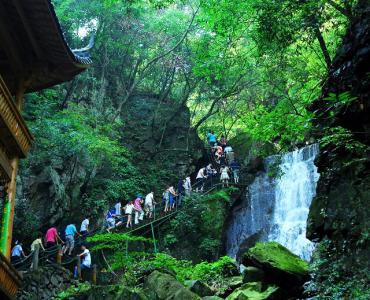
(17, 252)
(211, 138)
(70, 232)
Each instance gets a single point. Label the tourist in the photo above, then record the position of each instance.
(187, 186)
(149, 204)
(218, 154)
(84, 228)
(86, 258)
(166, 199)
(201, 178)
(70, 232)
(180, 191)
(211, 138)
(128, 212)
(223, 142)
(37, 241)
(172, 197)
(110, 219)
(235, 167)
(139, 213)
(211, 172)
(52, 237)
(224, 176)
(118, 208)
(229, 152)
(17, 252)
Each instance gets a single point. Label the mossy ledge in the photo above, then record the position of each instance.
(281, 266)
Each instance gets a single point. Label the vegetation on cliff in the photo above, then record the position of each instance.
(268, 74)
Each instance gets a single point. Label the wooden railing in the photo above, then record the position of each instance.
(10, 279)
(14, 122)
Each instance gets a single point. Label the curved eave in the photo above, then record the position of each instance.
(36, 47)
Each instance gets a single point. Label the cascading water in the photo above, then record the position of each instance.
(294, 192)
(277, 209)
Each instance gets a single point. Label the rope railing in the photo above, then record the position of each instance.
(49, 254)
(203, 187)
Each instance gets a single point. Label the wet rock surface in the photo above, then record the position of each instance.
(44, 283)
(160, 286)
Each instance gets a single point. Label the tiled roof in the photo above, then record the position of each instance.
(41, 45)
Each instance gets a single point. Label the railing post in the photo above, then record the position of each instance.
(79, 267)
(35, 258)
(94, 274)
(126, 248)
(154, 241)
(59, 255)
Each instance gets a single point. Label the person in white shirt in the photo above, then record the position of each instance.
(201, 178)
(187, 186)
(129, 208)
(86, 258)
(229, 154)
(84, 229)
(149, 204)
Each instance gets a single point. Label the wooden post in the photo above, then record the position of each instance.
(94, 274)
(79, 267)
(154, 241)
(35, 258)
(59, 255)
(8, 215)
(126, 248)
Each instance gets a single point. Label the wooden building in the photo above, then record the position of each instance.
(33, 55)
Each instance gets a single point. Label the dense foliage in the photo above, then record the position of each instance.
(165, 71)
(250, 66)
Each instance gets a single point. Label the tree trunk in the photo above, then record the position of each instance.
(323, 47)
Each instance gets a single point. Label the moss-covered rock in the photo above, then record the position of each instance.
(253, 274)
(255, 291)
(200, 288)
(281, 266)
(108, 292)
(164, 286)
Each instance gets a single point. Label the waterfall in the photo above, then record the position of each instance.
(294, 192)
(276, 209)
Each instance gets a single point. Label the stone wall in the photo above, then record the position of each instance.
(44, 283)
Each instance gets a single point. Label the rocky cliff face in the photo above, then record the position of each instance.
(339, 215)
(343, 189)
(163, 147)
(159, 133)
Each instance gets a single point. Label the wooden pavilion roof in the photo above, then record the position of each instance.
(33, 48)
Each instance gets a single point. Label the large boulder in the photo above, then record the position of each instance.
(253, 274)
(255, 291)
(164, 286)
(280, 266)
(200, 288)
(230, 284)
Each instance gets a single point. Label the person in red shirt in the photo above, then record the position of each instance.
(139, 213)
(52, 237)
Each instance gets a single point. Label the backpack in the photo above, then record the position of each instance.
(166, 195)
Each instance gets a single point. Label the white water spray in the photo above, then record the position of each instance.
(294, 192)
